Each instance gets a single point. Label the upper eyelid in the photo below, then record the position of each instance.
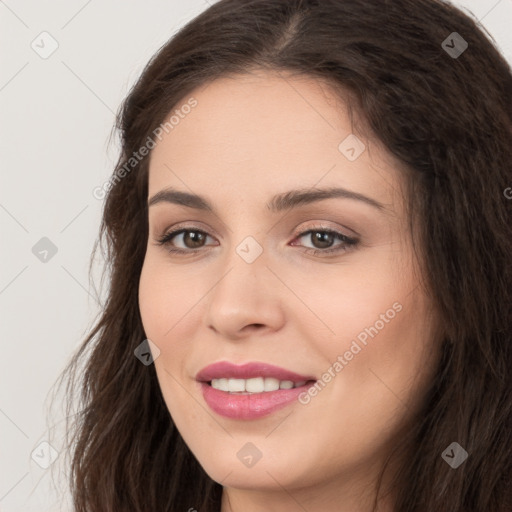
(318, 227)
(185, 227)
(351, 233)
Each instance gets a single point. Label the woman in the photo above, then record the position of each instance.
(310, 290)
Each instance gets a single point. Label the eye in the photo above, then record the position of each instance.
(190, 240)
(323, 241)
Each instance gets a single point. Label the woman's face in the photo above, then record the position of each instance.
(248, 288)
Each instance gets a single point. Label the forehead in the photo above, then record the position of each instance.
(267, 132)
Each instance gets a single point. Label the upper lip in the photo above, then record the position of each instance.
(225, 369)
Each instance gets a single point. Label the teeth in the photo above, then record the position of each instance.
(254, 385)
(221, 384)
(271, 384)
(236, 385)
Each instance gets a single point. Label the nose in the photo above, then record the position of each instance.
(245, 301)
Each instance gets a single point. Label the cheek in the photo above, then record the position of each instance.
(152, 300)
(383, 330)
(170, 312)
(165, 296)
(353, 302)
(387, 360)
(161, 312)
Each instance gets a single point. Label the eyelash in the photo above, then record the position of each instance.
(348, 243)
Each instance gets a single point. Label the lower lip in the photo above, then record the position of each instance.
(251, 406)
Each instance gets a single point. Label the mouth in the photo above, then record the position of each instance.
(250, 391)
(254, 385)
(252, 377)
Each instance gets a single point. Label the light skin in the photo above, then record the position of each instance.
(249, 138)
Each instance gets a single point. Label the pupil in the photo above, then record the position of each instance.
(194, 237)
(323, 238)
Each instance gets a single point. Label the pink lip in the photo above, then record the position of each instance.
(248, 371)
(254, 405)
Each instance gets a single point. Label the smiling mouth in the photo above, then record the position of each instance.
(250, 391)
(254, 385)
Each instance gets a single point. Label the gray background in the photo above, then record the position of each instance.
(57, 115)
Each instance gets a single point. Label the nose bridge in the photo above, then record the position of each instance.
(243, 278)
(245, 294)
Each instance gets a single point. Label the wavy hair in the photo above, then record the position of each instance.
(448, 119)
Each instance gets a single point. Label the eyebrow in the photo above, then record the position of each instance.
(278, 203)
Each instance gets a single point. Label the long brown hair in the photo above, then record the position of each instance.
(448, 119)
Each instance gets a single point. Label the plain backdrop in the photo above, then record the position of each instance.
(57, 114)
